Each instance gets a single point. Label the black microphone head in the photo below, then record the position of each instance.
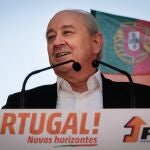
(95, 63)
(76, 66)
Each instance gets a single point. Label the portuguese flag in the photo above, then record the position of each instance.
(126, 43)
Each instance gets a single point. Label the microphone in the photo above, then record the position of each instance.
(96, 63)
(76, 67)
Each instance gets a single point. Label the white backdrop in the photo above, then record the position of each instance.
(22, 36)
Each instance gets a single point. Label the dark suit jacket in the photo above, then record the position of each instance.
(115, 95)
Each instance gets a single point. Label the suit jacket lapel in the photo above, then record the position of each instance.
(115, 94)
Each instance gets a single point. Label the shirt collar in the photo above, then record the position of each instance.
(94, 81)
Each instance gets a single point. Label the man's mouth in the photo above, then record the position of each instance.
(58, 55)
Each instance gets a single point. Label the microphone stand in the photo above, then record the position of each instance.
(132, 96)
(22, 97)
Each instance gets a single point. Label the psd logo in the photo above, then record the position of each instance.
(138, 130)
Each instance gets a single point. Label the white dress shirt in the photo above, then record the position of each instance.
(67, 98)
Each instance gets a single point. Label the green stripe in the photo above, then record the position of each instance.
(108, 25)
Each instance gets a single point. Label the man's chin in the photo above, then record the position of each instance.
(63, 69)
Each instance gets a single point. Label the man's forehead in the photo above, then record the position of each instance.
(50, 29)
(65, 20)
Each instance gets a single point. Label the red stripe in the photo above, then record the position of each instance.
(142, 79)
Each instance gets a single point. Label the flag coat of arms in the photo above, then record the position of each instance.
(126, 43)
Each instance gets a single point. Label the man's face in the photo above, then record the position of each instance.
(69, 39)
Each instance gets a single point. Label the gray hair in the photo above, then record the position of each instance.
(90, 21)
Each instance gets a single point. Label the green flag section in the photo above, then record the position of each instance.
(126, 43)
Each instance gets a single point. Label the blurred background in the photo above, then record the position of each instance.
(22, 36)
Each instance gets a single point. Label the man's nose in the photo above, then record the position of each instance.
(59, 40)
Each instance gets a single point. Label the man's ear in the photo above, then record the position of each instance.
(97, 43)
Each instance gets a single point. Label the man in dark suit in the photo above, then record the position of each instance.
(74, 35)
